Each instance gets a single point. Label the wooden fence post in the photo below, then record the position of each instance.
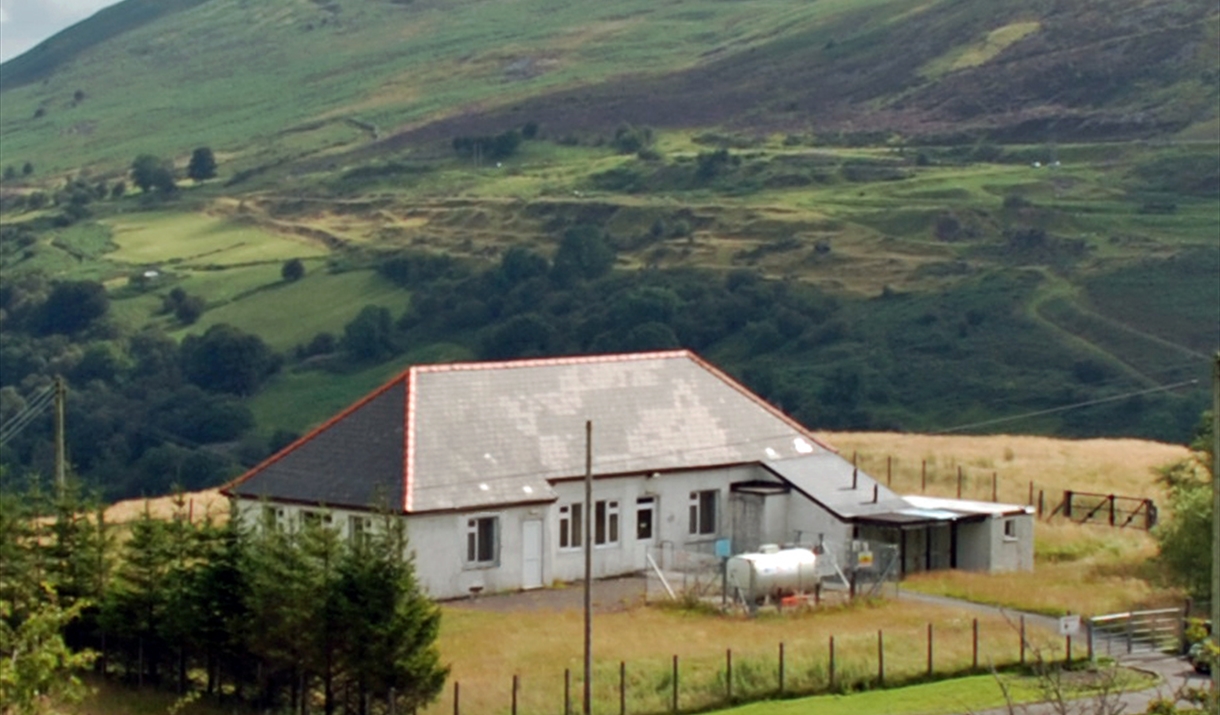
(622, 687)
(1041, 502)
(1111, 510)
(457, 700)
(516, 684)
(1022, 639)
(781, 666)
(975, 660)
(675, 708)
(889, 471)
(880, 658)
(567, 691)
(995, 486)
(923, 476)
(1031, 493)
(832, 663)
(728, 674)
(959, 481)
(929, 650)
(1067, 503)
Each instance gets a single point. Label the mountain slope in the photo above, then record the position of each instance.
(279, 76)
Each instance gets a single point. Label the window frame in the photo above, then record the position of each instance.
(646, 505)
(607, 523)
(703, 514)
(571, 526)
(1010, 530)
(472, 550)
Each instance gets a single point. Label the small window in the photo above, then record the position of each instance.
(1010, 528)
(571, 526)
(359, 529)
(605, 522)
(273, 517)
(703, 512)
(643, 517)
(314, 518)
(481, 540)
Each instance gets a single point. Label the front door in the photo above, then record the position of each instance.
(531, 557)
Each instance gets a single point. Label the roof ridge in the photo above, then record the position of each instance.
(552, 361)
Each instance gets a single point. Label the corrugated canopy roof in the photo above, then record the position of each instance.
(827, 479)
(468, 435)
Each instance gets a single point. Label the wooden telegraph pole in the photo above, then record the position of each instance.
(587, 702)
(61, 456)
(1216, 518)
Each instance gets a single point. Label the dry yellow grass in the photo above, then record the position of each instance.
(1106, 466)
(538, 646)
(198, 505)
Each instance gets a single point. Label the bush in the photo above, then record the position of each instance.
(293, 270)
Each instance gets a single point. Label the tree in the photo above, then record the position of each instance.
(1185, 538)
(370, 335)
(10, 172)
(153, 173)
(72, 306)
(202, 165)
(35, 663)
(583, 253)
(226, 359)
(119, 188)
(27, 169)
(292, 270)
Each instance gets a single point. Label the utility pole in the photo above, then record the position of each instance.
(1216, 519)
(61, 457)
(587, 702)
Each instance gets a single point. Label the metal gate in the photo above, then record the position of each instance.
(1118, 634)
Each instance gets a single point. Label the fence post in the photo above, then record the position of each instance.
(781, 666)
(832, 663)
(1067, 503)
(567, 691)
(975, 639)
(515, 686)
(929, 650)
(923, 476)
(1031, 493)
(675, 708)
(622, 687)
(457, 700)
(1111, 510)
(1088, 633)
(1022, 639)
(889, 471)
(995, 486)
(880, 658)
(1130, 634)
(1041, 502)
(959, 481)
(728, 673)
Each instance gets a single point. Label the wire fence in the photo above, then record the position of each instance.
(685, 683)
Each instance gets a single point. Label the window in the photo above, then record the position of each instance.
(643, 517)
(314, 518)
(481, 540)
(273, 517)
(571, 525)
(1010, 528)
(359, 529)
(605, 522)
(703, 512)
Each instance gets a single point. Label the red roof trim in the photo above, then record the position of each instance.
(775, 411)
(311, 434)
(408, 435)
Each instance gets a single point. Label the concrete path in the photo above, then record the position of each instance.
(1174, 672)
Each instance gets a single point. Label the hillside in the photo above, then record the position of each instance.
(1013, 213)
(281, 79)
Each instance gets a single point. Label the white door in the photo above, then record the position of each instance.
(531, 558)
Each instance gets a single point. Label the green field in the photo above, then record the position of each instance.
(199, 241)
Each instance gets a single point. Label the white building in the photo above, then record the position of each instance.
(486, 463)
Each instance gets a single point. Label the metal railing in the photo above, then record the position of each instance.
(1118, 634)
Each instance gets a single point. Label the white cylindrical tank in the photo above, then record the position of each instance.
(772, 572)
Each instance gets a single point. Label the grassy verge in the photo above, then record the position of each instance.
(539, 646)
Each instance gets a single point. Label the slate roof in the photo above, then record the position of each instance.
(470, 435)
(826, 478)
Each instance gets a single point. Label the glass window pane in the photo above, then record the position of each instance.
(614, 528)
(578, 524)
(487, 539)
(599, 522)
(643, 524)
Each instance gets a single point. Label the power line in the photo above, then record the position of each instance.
(1078, 405)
